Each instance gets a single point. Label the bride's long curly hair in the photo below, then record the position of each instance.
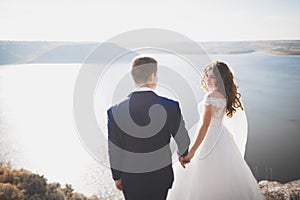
(225, 85)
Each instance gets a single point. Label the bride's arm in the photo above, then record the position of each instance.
(202, 131)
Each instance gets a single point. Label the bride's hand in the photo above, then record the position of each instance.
(189, 157)
(118, 184)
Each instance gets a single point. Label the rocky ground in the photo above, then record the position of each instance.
(276, 191)
(22, 184)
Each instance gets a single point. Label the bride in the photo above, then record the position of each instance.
(217, 169)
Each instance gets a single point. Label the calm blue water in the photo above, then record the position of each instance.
(38, 131)
(270, 87)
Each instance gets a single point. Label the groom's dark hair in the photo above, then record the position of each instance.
(142, 67)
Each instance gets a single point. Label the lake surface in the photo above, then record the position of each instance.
(38, 131)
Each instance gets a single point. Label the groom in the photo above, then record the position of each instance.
(139, 133)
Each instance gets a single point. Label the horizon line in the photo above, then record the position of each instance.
(95, 41)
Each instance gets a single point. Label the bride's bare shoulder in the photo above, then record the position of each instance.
(215, 94)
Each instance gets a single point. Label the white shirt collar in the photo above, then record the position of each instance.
(143, 89)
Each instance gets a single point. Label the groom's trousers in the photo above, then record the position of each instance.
(154, 195)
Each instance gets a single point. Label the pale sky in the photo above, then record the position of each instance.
(99, 20)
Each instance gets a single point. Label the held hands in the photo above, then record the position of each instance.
(118, 184)
(182, 162)
(186, 159)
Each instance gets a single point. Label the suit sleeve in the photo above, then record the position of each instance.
(178, 131)
(114, 147)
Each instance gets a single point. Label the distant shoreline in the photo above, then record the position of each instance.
(20, 52)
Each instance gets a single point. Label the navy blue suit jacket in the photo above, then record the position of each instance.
(142, 141)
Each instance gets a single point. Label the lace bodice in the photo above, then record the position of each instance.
(218, 109)
(237, 125)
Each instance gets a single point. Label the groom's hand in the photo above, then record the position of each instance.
(182, 161)
(180, 158)
(118, 184)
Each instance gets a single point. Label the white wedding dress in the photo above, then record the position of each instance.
(218, 170)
